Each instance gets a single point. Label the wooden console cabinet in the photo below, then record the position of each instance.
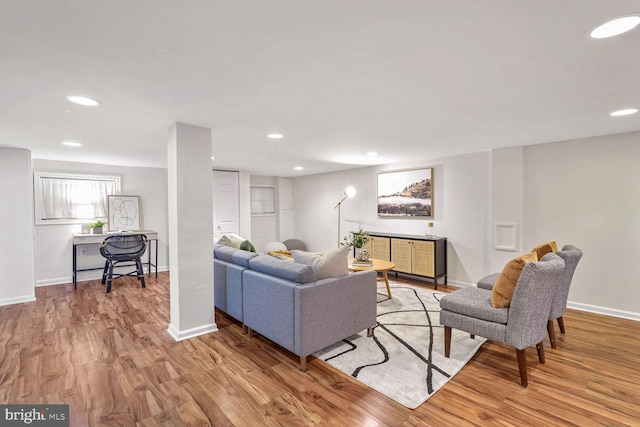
(417, 255)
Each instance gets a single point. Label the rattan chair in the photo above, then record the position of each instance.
(119, 248)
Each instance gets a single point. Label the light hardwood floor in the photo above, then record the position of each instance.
(110, 358)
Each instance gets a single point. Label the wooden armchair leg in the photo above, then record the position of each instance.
(369, 332)
(303, 363)
(522, 366)
(447, 341)
(244, 329)
(552, 333)
(540, 348)
(250, 332)
(561, 324)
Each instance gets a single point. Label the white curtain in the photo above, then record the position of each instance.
(66, 198)
(262, 200)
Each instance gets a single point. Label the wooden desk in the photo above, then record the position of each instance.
(378, 265)
(96, 239)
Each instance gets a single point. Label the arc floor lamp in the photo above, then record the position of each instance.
(348, 192)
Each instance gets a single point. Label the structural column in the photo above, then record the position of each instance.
(190, 231)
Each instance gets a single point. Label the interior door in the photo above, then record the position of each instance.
(226, 202)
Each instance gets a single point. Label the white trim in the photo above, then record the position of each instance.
(457, 283)
(17, 300)
(191, 333)
(510, 242)
(90, 275)
(623, 314)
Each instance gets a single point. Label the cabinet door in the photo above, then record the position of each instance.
(379, 248)
(422, 257)
(401, 255)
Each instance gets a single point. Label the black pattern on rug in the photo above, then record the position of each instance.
(407, 336)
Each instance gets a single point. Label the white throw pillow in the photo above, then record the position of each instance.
(232, 240)
(329, 264)
(304, 257)
(274, 246)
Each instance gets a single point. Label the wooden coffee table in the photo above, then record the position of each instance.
(378, 265)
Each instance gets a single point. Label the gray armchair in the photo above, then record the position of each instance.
(520, 325)
(571, 255)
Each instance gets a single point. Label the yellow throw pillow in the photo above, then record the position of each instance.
(545, 248)
(505, 286)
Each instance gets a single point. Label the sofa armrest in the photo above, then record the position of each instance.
(331, 310)
(267, 305)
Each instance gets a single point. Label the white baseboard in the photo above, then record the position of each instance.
(85, 277)
(604, 311)
(457, 283)
(17, 300)
(191, 333)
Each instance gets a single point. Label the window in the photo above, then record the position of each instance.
(68, 199)
(262, 201)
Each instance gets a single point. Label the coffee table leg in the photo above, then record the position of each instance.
(386, 281)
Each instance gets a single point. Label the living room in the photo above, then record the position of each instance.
(576, 188)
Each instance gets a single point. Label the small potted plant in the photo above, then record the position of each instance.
(357, 239)
(96, 227)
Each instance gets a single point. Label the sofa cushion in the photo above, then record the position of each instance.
(304, 257)
(506, 283)
(241, 257)
(292, 271)
(545, 248)
(326, 265)
(224, 253)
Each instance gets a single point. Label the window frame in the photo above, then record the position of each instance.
(37, 205)
(273, 199)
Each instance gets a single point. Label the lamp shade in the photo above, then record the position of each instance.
(350, 191)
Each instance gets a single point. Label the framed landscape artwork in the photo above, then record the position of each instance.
(405, 193)
(124, 213)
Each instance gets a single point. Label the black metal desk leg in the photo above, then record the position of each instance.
(75, 268)
(156, 259)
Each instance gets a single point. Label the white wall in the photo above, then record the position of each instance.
(461, 207)
(585, 192)
(190, 207)
(507, 202)
(263, 227)
(16, 234)
(285, 210)
(53, 248)
(582, 192)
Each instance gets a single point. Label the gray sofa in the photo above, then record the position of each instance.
(286, 303)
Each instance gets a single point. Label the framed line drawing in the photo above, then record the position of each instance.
(124, 212)
(405, 193)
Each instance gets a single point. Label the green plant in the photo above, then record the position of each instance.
(97, 224)
(356, 239)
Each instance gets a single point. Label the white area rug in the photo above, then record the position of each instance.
(404, 359)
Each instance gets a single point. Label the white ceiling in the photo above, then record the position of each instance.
(408, 79)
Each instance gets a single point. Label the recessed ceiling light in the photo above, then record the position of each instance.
(624, 112)
(298, 168)
(213, 158)
(275, 136)
(82, 100)
(615, 27)
(372, 154)
(71, 144)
